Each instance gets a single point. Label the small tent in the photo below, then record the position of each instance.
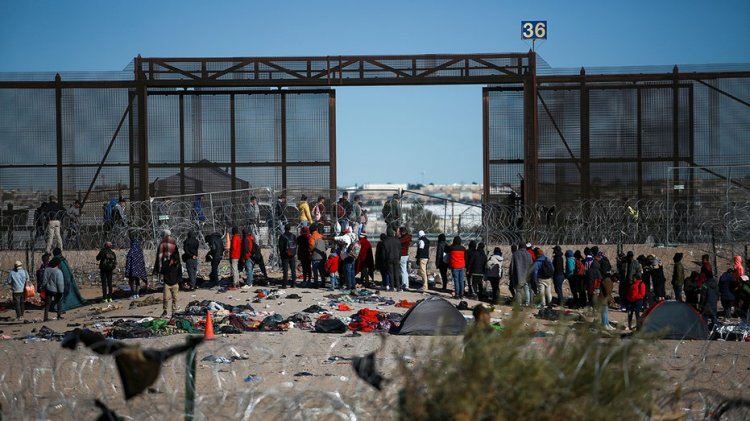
(432, 316)
(675, 320)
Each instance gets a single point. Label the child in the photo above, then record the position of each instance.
(332, 267)
(636, 294)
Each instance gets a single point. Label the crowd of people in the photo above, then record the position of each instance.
(331, 248)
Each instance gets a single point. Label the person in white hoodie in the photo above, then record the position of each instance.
(17, 281)
(495, 272)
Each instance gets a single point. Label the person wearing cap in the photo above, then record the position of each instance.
(423, 256)
(305, 218)
(53, 214)
(17, 279)
(678, 276)
(392, 211)
(107, 264)
(54, 285)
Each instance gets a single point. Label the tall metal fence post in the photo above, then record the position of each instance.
(213, 211)
(190, 384)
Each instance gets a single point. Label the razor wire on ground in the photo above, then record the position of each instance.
(650, 222)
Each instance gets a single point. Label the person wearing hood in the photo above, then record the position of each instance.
(678, 276)
(54, 285)
(519, 265)
(235, 252)
(739, 268)
(305, 217)
(17, 279)
(423, 255)
(494, 271)
(593, 279)
(365, 263)
(135, 267)
(727, 286)
(710, 294)
(440, 260)
(535, 277)
(107, 264)
(191, 259)
(318, 257)
(71, 297)
(476, 267)
(558, 279)
(214, 255)
(457, 262)
(304, 253)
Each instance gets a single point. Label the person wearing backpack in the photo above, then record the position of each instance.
(541, 273)
(494, 271)
(288, 254)
(636, 295)
(107, 264)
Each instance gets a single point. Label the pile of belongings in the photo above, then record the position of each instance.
(367, 320)
(148, 328)
(734, 332)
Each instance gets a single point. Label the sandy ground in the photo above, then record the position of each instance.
(40, 380)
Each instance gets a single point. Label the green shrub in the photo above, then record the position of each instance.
(510, 375)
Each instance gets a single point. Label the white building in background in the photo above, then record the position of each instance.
(387, 186)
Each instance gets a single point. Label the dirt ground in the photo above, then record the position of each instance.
(296, 374)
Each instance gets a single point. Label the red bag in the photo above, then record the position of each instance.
(29, 291)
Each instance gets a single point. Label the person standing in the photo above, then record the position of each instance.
(476, 267)
(380, 262)
(356, 214)
(40, 272)
(362, 219)
(405, 239)
(710, 294)
(53, 214)
(344, 211)
(191, 259)
(593, 279)
(74, 224)
(440, 260)
(423, 256)
(172, 278)
(235, 251)
(164, 266)
(520, 264)
(318, 257)
(332, 267)
(17, 279)
(214, 255)
(71, 295)
(392, 256)
(726, 291)
(678, 276)
(494, 272)
(305, 218)
(253, 217)
(348, 252)
(304, 252)
(540, 275)
(635, 297)
(739, 268)
(558, 279)
(457, 263)
(392, 212)
(288, 253)
(246, 255)
(107, 264)
(365, 263)
(135, 267)
(319, 209)
(279, 216)
(54, 285)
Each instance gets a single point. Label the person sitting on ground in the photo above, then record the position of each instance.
(107, 264)
(54, 285)
(17, 279)
(479, 330)
(172, 278)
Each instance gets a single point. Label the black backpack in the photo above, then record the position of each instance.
(546, 271)
(291, 245)
(109, 261)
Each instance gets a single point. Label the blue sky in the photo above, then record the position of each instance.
(397, 132)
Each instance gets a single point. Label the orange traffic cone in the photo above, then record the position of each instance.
(208, 332)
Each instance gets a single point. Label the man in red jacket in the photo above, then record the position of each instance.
(457, 263)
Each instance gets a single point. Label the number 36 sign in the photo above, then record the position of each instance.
(534, 29)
